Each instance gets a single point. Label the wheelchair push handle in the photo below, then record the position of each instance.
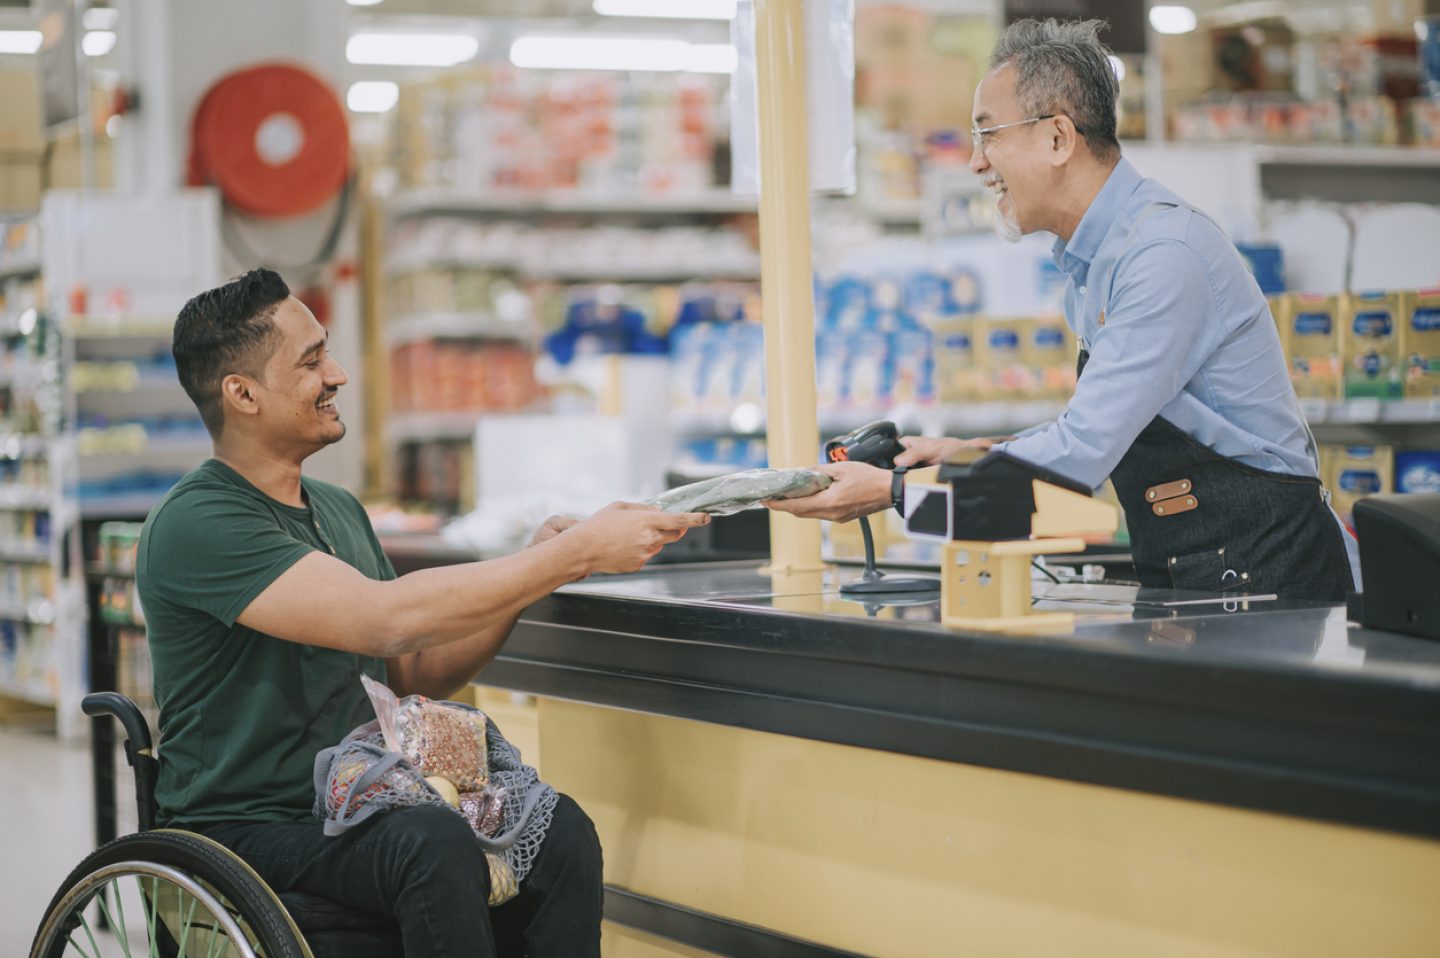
(137, 730)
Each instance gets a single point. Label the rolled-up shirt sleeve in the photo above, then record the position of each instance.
(1160, 326)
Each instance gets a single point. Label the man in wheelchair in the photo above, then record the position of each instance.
(267, 596)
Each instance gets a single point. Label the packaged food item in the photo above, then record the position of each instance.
(1371, 345)
(1357, 472)
(436, 738)
(1417, 470)
(1420, 343)
(956, 376)
(1002, 372)
(1048, 352)
(737, 491)
(1311, 336)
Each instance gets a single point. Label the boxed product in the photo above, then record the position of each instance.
(1417, 470)
(1420, 343)
(1002, 370)
(956, 375)
(1371, 345)
(1356, 472)
(1311, 336)
(1048, 351)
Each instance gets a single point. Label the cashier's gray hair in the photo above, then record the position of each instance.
(228, 329)
(1062, 67)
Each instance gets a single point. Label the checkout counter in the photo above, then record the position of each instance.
(775, 770)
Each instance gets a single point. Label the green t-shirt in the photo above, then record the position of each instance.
(243, 713)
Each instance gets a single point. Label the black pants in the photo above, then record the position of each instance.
(423, 867)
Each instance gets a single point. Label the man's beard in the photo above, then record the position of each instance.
(1007, 227)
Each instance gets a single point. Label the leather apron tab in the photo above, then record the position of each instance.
(1175, 506)
(1168, 490)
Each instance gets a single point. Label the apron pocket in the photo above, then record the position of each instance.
(1213, 570)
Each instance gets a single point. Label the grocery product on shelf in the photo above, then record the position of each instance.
(1310, 333)
(1420, 343)
(1370, 324)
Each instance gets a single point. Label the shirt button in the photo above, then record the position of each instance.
(1082, 290)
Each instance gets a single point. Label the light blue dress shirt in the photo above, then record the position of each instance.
(1176, 326)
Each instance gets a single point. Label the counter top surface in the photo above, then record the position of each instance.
(1112, 618)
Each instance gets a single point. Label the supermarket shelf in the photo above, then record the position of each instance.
(38, 612)
(1366, 412)
(1005, 416)
(636, 273)
(119, 327)
(148, 381)
(35, 693)
(23, 445)
(20, 269)
(438, 201)
(1350, 155)
(138, 505)
(98, 443)
(24, 499)
(415, 328)
(19, 552)
(411, 264)
(96, 572)
(431, 426)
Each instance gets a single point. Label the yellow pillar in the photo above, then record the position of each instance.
(792, 433)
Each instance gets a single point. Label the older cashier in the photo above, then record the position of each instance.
(1184, 398)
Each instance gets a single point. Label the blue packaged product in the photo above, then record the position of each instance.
(1417, 470)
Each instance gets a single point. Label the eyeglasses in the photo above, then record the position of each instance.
(977, 137)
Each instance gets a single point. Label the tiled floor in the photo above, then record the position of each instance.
(46, 826)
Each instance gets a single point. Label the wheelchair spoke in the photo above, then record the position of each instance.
(153, 901)
(185, 927)
(117, 927)
(71, 942)
(85, 923)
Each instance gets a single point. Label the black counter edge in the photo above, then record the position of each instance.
(1288, 790)
(1091, 668)
(698, 929)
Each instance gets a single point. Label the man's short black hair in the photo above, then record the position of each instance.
(229, 329)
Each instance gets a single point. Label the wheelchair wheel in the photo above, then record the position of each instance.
(166, 894)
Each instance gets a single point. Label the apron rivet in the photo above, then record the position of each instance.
(1244, 575)
(1172, 560)
(1160, 510)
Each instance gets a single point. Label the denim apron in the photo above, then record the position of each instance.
(1203, 522)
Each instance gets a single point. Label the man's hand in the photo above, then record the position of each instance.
(927, 451)
(623, 536)
(553, 527)
(858, 490)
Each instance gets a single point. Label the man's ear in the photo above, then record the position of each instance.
(1064, 140)
(238, 395)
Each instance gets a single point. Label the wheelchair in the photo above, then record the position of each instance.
(168, 893)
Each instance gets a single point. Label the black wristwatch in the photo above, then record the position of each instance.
(897, 490)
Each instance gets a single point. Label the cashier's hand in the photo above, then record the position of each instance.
(623, 536)
(858, 489)
(927, 451)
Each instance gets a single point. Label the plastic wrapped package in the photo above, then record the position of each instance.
(439, 739)
(738, 491)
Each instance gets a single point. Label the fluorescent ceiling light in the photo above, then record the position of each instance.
(362, 3)
(19, 41)
(372, 96)
(100, 18)
(671, 9)
(411, 49)
(97, 43)
(622, 53)
(1172, 19)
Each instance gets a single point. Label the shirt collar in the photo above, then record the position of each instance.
(1075, 257)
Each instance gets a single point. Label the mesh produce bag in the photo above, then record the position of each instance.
(505, 803)
(738, 491)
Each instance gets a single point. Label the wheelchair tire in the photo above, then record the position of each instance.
(198, 874)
